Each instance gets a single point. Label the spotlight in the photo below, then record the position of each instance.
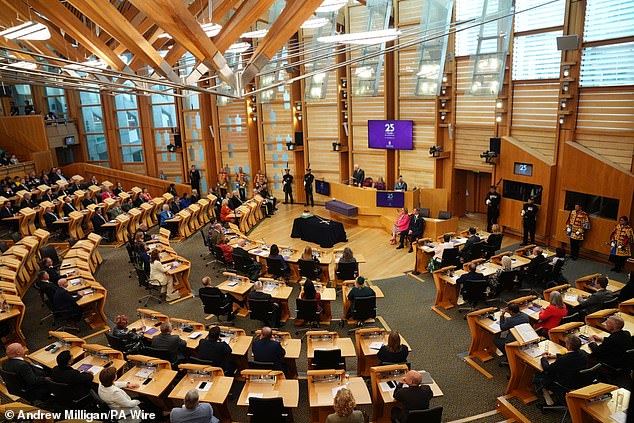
(443, 103)
(566, 71)
(254, 117)
(562, 119)
(443, 116)
(498, 117)
(489, 156)
(443, 91)
(435, 151)
(290, 145)
(344, 83)
(499, 104)
(563, 104)
(565, 87)
(336, 146)
(171, 148)
(444, 78)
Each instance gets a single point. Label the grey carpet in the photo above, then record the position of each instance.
(436, 342)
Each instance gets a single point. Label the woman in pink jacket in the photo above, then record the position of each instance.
(401, 224)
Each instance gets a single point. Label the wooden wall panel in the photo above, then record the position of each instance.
(408, 65)
(277, 130)
(470, 142)
(605, 123)
(409, 12)
(323, 161)
(23, 135)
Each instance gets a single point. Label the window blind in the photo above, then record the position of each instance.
(542, 14)
(607, 65)
(607, 19)
(536, 56)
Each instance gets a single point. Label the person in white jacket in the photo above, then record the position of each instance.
(111, 393)
(158, 272)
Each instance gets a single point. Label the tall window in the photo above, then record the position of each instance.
(21, 94)
(165, 125)
(606, 60)
(129, 128)
(194, 143)
(56, 101)
(92, 116)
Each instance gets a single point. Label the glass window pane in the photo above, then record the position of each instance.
(97, 149)
(536, 56)
(51, 91)
(130, 136)
(132, 154)
(607, 65)
(57, 105)
(162, 98)
(164, 116)
(541, 14)
(93, 119)
(606, 19)
(88, 98)
(128, 118)
(125, 101)
(191, 101)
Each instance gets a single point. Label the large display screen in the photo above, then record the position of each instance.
(390, 199)
(322, 187)
(390, 134)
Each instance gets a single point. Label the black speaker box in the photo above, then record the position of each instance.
(494, 145)
(177, 141)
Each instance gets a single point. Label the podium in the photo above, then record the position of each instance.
(585, 405)
(66, 342)
(27, 221)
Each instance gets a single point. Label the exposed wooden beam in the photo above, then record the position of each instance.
(221, 8)
(57, 13)
(174, 18)
(107, 16)
(248, 12)
(292, 17)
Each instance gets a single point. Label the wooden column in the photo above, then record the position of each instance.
(110, 130)
(147, 135)
(207, 111)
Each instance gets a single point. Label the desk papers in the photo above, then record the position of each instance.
(144, 373)
(376, 345)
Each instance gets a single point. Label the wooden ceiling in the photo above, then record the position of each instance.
(107, 29)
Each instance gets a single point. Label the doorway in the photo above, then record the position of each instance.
(470, 188)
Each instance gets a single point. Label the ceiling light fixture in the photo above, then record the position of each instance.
(314, 23)
(362, 38)
(238, 47)
(27, 31)
(259, 33)
(331, 5)
(22, 65)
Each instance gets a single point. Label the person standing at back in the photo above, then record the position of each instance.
(492, 200)
(287, 181)
(529, 217)
(308, 187)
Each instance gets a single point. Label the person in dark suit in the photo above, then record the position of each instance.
(208, 289)
(471, 275)
(414, 396)
(44, 284)
(194, 178)
(358, 175)
(172, 343)
(492, 200)
(287, 183)
(308, 188)
(68, 207)
(79, 383)
(595, 301)
(31, 375)
(415, 230)
(265, 349)
(611, 349)
(234, 200)
(214, 350)
(50, 218)
(564, 371)
(65, 303)
(506, 323)
(239, 253)
(529, 218)
(360, 290)
(166, 215)
(7, 212)
(257, 293)
(98, 220)
(466, 250)
(27, 201)
(47, 265)
(627, 292)
(536, 261)
(394, 351)
(131, 338)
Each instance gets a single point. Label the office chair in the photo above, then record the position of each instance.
(536, 281)
(309, 269)
(247, 267)
(216, 305)
(574, 317)
(444, 215)
(14, 385)
(450, 257)
(328, 359)
(220, 258)
(132, 257)
(492, 244)
(585, 377)
(64, 398)
(267, 410)
(431, 415)
(161, 353)
(308, 311)
(261, 310)
(347, 271)
(389, 363)
(261, 365)
(102, 408)
(275, 267)
(151, 286)
(64, 316)
(508, 281)
(477, 250)
(51, 252)
(473, 292)
(425, 212)
(206, 244)
(363, 311)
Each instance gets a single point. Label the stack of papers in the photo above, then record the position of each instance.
(376, 345)
(526, 333)
(194, 335)
(570, 298)
(144, 373)
(151, 331)
(75, 282)
(233, 283)
(495, 326)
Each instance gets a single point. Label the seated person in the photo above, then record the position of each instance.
(98, 222)
(31, 375)
(401, 224)
(400, 184)
(193, 411)
(144, 230)
(166, 215)
(132, 339)
(627, 292)
(309, 292)
(344, 405)
(7, 212)
(68, 207)
(158, 272)
(360, 290)
(564, 371)
(88, 199)
(257, 293)
(27, 201)
(226, 212)
(208, 289)
(175, 205)
(551, 316)
(234, 200)
(506, 323)
(47, 265)
(595, 301)
(274, 254)
(347, 256)
(536, 261)
(414, 396)
(126, 205)
(307, 256)
(227, 250)
(215, 231)
(50, 218)
(380, 184)
(494, 240)
(466, 252)
(79, 384)
(446, 238)
(145, 195)
(111, 393)
(267, 350)
(249, 266)
(213, 349)
(172, 343)
(65, 303)
(471, 275)
(415, 230)
(611, 349)
(367, 182)
(394, 351)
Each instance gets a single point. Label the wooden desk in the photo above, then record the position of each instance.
(293, 348)
(328, 295)
(269, 384)
(366, 342)
(66, 342)
(345, 290)
(13, 315)
(216, 392)
(238, 287)
(152, 330)
(559, 334)
(582, 409)
(239, 343)
(570, 296)
(324, 340)
(179, 270)
(93, 303)
(160, 381)
(627, 307)
(597, 319)
(524, 366)
(96, 357)
(324, 384)
(27, 223)
(447, 290)
(586, 284)
(382, 396)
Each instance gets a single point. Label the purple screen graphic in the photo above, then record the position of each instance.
(390, 199)
(390, 134)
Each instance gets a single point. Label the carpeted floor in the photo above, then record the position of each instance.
(437, 343)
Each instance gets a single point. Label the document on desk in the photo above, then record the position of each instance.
(75, 282)
(234, 283)
(93, 370)
(526, 333)
(495, 326)
(144, 373)
(570, 298)
(194, 335)
(619, 417)
(534, 351)
(376, 345)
